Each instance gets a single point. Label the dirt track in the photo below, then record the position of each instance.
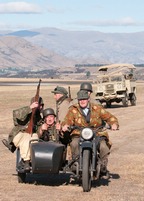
(126, 162)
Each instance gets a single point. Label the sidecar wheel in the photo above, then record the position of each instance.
(86, 175)
(21, 177)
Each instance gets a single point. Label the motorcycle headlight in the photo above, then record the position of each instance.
(87, 133)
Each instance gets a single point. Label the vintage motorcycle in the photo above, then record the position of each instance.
(49, 158)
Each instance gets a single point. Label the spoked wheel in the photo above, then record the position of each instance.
(21, 177)
(86, 174)
(125, 101)
(133, 100)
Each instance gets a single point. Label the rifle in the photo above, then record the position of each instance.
(57, 121)
(69, 93)
(31, 122)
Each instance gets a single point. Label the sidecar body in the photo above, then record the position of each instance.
(46, 157)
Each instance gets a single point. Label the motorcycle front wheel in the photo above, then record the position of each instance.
(86, 174)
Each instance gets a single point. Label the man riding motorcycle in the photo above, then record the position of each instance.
(87, 114)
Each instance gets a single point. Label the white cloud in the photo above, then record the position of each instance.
(18, 8)
(127, 21)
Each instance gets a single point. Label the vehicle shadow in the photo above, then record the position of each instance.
(116, 106)
(113, 106)
(48, 179)
(64, 179)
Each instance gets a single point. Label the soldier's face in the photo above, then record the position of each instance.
(83, 103)
(49, 120)
(58, 96)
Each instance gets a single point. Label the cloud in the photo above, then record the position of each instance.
(19, 8)
(127, 21)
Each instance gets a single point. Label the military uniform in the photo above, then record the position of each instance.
(62, 103)
(21, 118)
(19, 135)
(62, 106)
(92, 115)
(96, 114)
(50, 134)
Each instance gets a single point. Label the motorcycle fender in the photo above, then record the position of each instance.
(87, 144)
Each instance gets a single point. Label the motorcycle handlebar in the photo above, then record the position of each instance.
(71, 128)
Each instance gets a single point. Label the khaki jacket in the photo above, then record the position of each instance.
(62, 107)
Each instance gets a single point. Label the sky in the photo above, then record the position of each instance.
(108, 16)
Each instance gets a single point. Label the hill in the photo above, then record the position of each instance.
(48, 52)
(18, 54)
(89, 46)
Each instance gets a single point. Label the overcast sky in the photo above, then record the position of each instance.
(110, 16)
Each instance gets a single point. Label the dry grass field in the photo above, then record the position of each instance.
(126, 162)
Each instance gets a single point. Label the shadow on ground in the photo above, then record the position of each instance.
(64, 179)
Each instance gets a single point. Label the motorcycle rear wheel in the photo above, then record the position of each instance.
(86, 174)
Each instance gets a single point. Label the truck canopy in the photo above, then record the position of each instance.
(117, 66)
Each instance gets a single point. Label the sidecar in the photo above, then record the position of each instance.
(46, 157)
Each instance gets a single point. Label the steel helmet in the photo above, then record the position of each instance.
(48, 111)
(86, 86)
(60, 90)
(82, 95)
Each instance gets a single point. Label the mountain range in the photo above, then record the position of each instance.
(51, 48)
(88, 46)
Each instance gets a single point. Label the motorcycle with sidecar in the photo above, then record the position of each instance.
(48, 157)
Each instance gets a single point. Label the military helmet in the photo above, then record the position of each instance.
(82, 95)
(86, 86)
(60, 90)
(48, 111)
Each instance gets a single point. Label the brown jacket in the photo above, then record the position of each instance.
(97, 114)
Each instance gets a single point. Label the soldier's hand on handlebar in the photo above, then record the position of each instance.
(114, 127)
(65, 128)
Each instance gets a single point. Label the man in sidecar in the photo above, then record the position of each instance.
(19, 137)
(48, 130)
(87, 114)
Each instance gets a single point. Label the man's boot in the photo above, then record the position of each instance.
(10, 146)
(27, 165)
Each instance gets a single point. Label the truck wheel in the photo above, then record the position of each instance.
(21, 177)
(125, 101)
(133, 100)
(108, 104)
(86, 175)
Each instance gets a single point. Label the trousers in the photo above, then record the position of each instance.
(104, 150)
(22, 141)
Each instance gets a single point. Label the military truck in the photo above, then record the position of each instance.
(116, 83)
